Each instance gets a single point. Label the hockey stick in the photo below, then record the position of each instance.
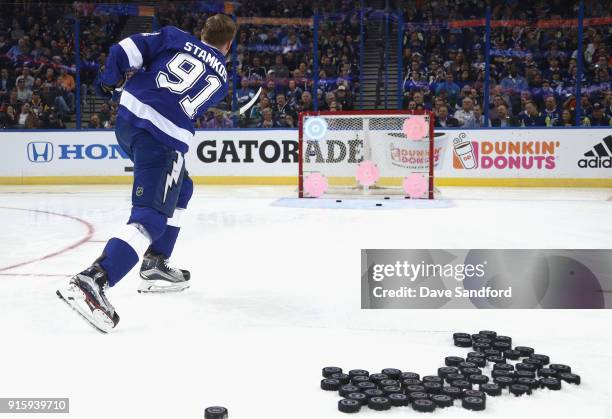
(243, 109)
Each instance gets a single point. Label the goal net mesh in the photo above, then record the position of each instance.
(339, 149)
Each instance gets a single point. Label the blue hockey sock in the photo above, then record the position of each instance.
(165, 243)
(119, 259)
(122, 252)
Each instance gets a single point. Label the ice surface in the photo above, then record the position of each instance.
(274, 298)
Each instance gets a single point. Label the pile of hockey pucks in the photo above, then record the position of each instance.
(215, 412)
(490, 369)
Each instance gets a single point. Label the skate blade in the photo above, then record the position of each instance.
(161, 287)
(96, 319)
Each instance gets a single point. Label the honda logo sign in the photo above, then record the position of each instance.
(40, 152)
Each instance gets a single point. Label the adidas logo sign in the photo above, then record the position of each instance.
(599, 157)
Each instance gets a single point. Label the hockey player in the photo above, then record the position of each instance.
(176, 78)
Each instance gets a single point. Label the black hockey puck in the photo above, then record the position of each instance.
(466, 364)
(389, 382)
(474, 393)
(477, 336)
(501, 346)
(532, 383)
(545, 359)
(471, 371)
(329, 371)
(502, 373)
(432, 388)
(349, 406)
(360, 379)
(387, 197)
(473, 403)
(373, 392)
(432, 379)
(521, 366)
(524, 350)
(476, 354)
(488, 333)
(461, 335)
(338, 200)
(391, 390)
(479, 362)
(484, 340)
(512, 354)
(442, 400)
(379, 403)
(535, 362)
(379, 205)
(462, 384)
(463, 342)
(416, 395)
(560, 368)
(347, 389)
(550, 383)
(409, 375)
(215, 412)
(343, 378)
(454, 392)
(496, 359)
(500, 338)
(377, 378)
(570, 378)
(398, 399)
(330, 384)
(491, 389)
(491, 352)
(365, 385)
(357, 373)
(423, 405)
(481, 346)
(503, 382)
(478, 379)
(444, 371)
(360, 397)
(520, 389)
(393, 373)
(504, 367)
(547, 372)
(411, 382)
(453, 377)
(453, 361)
(414, 389)
(524, 374)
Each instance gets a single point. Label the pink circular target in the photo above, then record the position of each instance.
(415, 185)
(315, 185)
(367, 173)
(415, 128)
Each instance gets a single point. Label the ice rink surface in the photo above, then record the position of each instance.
(274, 298)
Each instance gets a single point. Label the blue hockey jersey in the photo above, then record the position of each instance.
(177, 78)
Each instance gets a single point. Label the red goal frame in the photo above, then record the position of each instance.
(372, 112)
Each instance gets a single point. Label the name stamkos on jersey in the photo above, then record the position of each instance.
(207, 58)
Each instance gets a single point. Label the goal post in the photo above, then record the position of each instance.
(367, 153)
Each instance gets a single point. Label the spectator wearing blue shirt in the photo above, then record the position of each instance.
(530, 117)
(513, 82)
(450, 87)
(244, 93)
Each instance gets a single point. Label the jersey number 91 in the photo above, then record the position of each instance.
(188, 70)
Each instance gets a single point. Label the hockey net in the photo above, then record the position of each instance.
(334, 147)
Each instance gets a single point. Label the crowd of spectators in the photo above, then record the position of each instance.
(37, 62)
(533, 72)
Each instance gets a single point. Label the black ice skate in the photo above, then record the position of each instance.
(158, 277)
(85, 294)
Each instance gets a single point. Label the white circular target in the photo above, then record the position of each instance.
(315, 128)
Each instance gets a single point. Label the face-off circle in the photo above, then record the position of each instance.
(315, 128)
(367, 175)
(415, 128)
(316, 185)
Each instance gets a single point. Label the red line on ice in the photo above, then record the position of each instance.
(85, 239)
